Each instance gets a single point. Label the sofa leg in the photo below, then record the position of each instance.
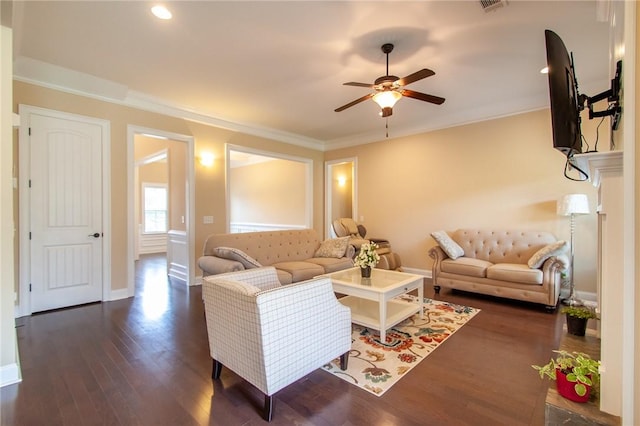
(344, 360)
(216, 368)
(267, 411)
(549, 309)
(437, 289)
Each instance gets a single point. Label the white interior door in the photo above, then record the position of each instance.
(66, 212)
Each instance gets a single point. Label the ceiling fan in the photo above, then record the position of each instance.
(388, 89)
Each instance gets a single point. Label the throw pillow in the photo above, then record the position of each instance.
(450, 247)
(335, 247)
(546, 252)
(238, 255)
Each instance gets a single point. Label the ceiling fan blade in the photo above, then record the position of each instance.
(357, 101)
(353, 83)
(423, 96)
(418, 75)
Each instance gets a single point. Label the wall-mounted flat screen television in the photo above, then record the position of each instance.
(563, 94)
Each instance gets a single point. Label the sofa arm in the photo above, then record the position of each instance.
(437, 254)
(213, 265)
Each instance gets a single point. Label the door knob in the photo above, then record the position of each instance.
(95, 235)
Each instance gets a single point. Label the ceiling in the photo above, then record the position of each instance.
(276, 69)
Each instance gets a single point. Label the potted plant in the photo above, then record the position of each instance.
(577, 318)
(367, 258)
(575, 373)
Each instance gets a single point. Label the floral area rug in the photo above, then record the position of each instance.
(375, 366)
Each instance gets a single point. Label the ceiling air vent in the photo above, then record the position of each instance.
(489, 5)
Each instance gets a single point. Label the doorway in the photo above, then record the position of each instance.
(340, 191)
(161, 194)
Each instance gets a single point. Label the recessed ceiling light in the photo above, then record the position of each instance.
(161, 12)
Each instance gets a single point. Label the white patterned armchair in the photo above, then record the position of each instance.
(272, 335)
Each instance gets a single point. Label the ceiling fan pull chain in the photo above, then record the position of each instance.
(386, 126)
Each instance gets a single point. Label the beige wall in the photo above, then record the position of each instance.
(210, 181)
(498, 174)
(272, 192)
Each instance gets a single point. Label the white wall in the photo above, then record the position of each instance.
(9, 369)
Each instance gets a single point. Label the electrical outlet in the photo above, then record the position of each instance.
(207, 220)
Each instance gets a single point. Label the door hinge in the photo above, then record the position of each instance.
(29, 183)
(29, 234)
(29, 131)
(29, 286)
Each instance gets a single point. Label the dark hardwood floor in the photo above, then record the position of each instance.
(145, 361)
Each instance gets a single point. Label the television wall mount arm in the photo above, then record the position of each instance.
(613, 97)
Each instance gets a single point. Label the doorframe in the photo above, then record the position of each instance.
(24, 206)
(190, 222)
(328, 190)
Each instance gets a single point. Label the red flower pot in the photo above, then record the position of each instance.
(566, 388)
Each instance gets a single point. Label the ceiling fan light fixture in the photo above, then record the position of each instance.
(387, 98)
(161, 12)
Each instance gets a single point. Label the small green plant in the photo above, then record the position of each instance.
(579, 368)
(579, 312)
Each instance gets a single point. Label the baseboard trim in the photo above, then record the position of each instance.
(424, 272)
(121, 293)
(10, 373)
(177, 271)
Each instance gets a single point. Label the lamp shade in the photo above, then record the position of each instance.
(387, 99)
(573, 204)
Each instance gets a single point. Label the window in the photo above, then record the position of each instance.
(154, 201)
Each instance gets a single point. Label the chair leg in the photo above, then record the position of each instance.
(344, 360)
(216, 368)
(267, 412)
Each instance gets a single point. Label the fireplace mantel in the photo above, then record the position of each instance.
(598, 163)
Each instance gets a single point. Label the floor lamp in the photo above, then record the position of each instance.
(571, 205)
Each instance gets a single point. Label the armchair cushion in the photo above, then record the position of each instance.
(334, 247)
(546, 252)
(350, 226)
(232, 253)
(450, 247)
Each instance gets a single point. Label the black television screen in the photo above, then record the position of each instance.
(563, 93)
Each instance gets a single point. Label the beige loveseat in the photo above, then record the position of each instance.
(512, 264)
(295, 254)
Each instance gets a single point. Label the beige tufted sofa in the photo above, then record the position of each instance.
(496, 263)
(291, 252)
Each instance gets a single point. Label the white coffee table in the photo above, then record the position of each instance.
(370, 299)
